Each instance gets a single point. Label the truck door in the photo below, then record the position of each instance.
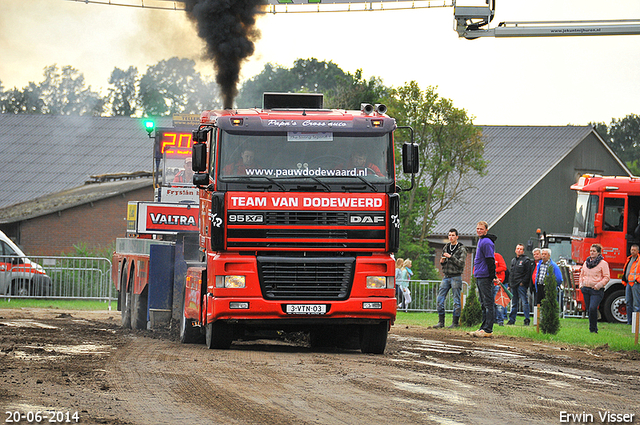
(614, 246)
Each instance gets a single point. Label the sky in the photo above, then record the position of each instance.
(503, 81)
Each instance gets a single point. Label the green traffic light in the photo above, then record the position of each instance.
(149, 126)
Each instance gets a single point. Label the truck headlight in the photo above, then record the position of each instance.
(230, 281)
(376, 282)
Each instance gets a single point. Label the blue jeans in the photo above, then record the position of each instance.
(520, 294)
(592, 299)
(487, 301)
(455, 284)
(501, 312)
(632, 296)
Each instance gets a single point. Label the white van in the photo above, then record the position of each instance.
(19, 275)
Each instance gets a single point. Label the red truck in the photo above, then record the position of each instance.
(607, 212)
(298, 220)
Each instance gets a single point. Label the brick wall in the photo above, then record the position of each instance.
(97, 225)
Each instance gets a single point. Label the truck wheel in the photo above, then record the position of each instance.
(218, 335)
(139, 310)
(126, 296)
(614, 307)
(189, 334)
(373, 338)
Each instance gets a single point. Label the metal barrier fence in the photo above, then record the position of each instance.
(87, 278)
(424, 294)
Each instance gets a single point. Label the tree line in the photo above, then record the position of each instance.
(171, 86)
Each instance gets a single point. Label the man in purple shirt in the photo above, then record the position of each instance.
(484, 270)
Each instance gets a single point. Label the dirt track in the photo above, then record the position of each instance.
(84, 362)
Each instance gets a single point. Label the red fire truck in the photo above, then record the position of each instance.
(298, 217)
(607, 212)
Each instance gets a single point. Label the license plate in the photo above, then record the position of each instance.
(306, 309)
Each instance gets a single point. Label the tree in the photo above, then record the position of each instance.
(341, 90)
(122, 96)
(352, 90)
(305, 76)
(472, 311)
(451, 151)
(174, 86)
(64, 93)
(623, 137)
(550, 322)
(273, 78)
(27, 101)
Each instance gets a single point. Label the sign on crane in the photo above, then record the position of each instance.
(472, 22)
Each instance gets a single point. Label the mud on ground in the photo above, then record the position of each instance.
(71, 361)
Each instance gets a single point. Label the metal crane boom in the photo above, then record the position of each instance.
(472, 22)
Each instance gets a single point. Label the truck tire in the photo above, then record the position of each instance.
(189, 334)
(218, 335)
(373, 338)
(139, 310)
(614, 307)
(126, 291)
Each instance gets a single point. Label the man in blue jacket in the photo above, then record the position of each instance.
(545, 266)
(484, 270)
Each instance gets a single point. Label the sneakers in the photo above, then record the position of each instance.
(481, 334)
(527, 322)
(510, 323)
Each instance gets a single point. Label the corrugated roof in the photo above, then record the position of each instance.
(518, 157)
(45, 154)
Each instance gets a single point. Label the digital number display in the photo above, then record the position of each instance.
(174, 143)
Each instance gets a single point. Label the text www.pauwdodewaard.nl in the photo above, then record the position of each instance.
(316, 172)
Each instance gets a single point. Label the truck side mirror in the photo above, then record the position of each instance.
(201, 179)
(410, 159)
(597, 223)
(199, 157)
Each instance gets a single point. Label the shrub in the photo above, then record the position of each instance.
(550, 322)
(472, 311)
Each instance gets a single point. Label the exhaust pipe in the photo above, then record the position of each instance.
(381, 108)
(367, 108)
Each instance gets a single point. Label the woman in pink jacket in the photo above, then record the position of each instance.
(594, 275)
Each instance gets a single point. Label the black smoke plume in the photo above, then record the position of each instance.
(229, 30)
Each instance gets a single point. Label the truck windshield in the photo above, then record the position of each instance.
(586, 209)
(560, 249)
(291, 155)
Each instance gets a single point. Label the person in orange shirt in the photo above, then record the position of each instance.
(631, 279)
(594, 275)
(537, 256)
(501, 269)
(185, 175)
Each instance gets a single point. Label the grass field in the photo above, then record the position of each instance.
(57, 304)
(572, 331)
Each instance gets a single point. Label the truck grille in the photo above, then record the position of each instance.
(302, 278)
(317, 218)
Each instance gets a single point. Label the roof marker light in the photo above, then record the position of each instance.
(376, 123)
(236, 122)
